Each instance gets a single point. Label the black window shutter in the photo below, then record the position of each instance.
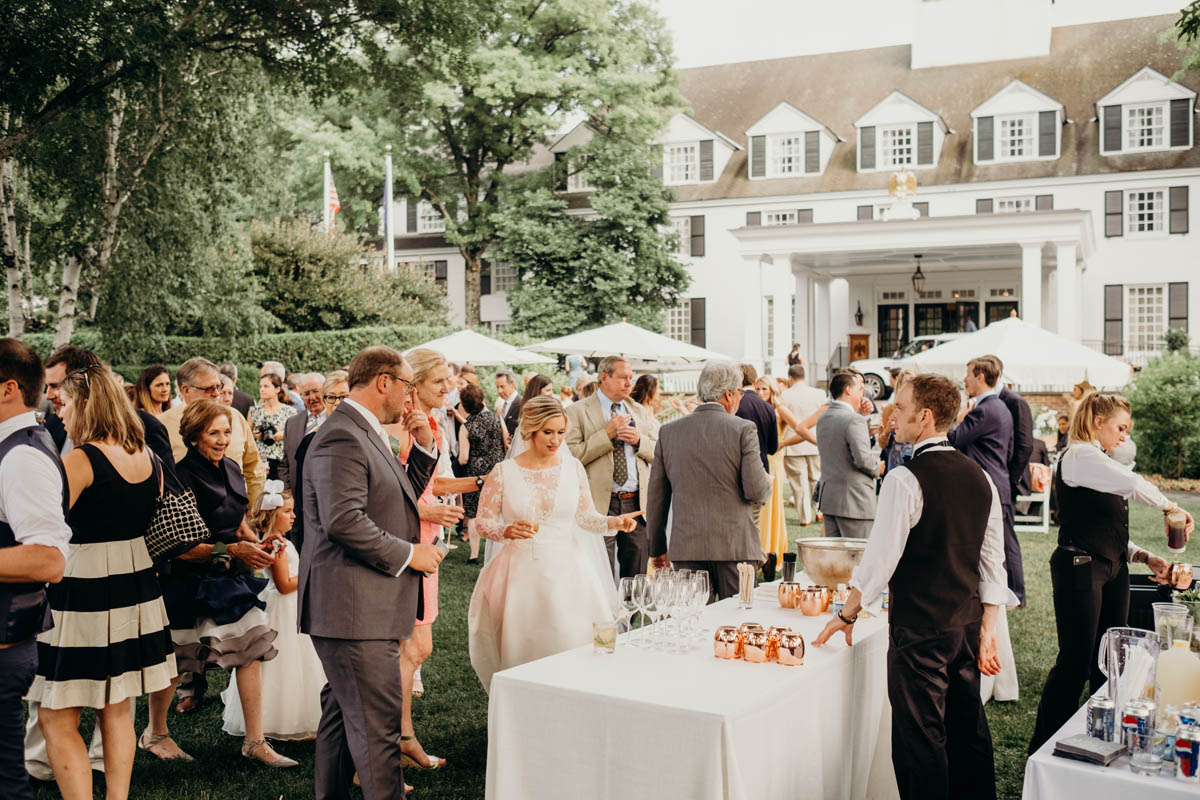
(758, 156)
(1180, 129)
(922, 208)
(560, 172)
(866, 148)
(753, 218)
(706, 159)
(485, 277)
(924, 144)
(1114, 222)
(1179, 209)
(698, 326)
(697, 244)
(987, 138)
(1177, 306)
(1047, 133)
(1043, 202)
(411, 215)
(866, 212)
(440, 273)
(983, 206)
(804, 215)
(1114, 323)
(1112, 129)
(812, 151)
(657, 171)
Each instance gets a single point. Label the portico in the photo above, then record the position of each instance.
(856, 278)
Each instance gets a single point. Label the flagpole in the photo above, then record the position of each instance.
(325, 195)
(388, 235)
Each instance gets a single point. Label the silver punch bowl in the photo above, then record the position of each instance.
(829, 561)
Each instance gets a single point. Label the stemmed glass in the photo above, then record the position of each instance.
(699, 599)
(682, 596)
(628, 601)
(643, 600)
(656, 607)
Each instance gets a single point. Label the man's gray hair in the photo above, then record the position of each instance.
(312, 376)
(228, 369)
(608, 364)
(275, 368)
(717, 378)
(507, 374)
(193, 368)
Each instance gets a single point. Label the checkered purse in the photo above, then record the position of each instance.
(176, 526)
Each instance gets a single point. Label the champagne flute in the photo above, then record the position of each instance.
(628, 600)
(641, 595)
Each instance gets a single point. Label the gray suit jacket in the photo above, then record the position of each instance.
(848, 467)
(293, 434)
(360, 525)
(707, 464)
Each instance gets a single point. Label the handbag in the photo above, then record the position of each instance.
(176, 526)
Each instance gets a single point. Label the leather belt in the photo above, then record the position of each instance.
(625, 495)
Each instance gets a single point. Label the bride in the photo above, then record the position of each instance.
(539, 594)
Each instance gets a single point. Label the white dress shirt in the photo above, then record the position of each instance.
(900, 505)
(31, 492)
(1088, 466)
(631, 474)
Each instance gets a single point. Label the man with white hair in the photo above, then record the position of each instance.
(299, 428)
(277, 368)
(707, 469)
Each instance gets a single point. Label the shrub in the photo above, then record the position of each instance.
(1166, 415)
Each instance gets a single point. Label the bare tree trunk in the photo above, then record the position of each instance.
(474, 270)
(8, 232)
(93, 304)
(68, 296)
(27, 261)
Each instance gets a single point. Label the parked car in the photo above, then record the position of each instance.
(877, 371)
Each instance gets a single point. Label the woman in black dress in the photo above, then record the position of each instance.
(480, 448)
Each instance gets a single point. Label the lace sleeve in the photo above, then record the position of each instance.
(489, 520)
(586, 515)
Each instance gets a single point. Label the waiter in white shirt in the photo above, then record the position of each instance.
(938, 540)
(34, 540)
(1089, 570)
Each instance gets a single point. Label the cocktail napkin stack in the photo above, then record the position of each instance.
(1082, 747)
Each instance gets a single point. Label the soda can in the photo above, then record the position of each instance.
(1189, 714)
(1102, 718)
(1164, 734)
(1187, 753)
(885, 599)
(1137, 724)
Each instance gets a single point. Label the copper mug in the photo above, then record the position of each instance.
(727, 642)
(787, 594)
(1179, 575)
(774, 636)
(755, 647)
(813, 600)
(790, 651)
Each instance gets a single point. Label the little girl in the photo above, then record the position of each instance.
(292, 681)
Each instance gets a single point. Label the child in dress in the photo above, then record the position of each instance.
(292, 681)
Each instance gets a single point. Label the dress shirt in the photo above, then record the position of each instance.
(1089, 467)
(314, 421)
(994, 391)
(631, 474)
(900, 505)
(508, 401)
(31, 490)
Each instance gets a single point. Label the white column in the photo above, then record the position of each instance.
(753, 329)
(839, 314)
(1068, 288)
(819, 312)
(1031, 283)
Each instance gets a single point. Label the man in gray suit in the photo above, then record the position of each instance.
(848, 467)
(360, 573)
(298, 430)
(708, 464)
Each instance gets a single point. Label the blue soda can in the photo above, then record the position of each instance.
(1137, 725)
(1189, 714)
(1102, 718)
(1187, 754)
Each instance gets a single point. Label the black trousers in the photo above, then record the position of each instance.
(632, 549)
(722, 576)
(17, 667)
(1012, 553)
(941, 745)
(1088, 600)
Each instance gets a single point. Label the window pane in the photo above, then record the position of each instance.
(1016, 137)
(504, 277)
(1145, 211)
(683, 163)
(429, 219)
(677, 321)
(1145, 317)
(897, 146)
(786, 154)
(1144, 127)
(683, 226)
(780, 218)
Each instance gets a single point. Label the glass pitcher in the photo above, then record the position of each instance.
(1128, 657)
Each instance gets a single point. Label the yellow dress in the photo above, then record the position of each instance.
(772, 527)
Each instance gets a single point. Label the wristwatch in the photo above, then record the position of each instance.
(479, 482)
(219, 549)
(847, 621)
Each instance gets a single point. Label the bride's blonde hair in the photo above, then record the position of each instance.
(537, 412)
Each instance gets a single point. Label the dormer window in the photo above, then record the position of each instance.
(1018, 123)
(1016, 137)
(899, 132)
(1145, 114)
(787, 153)
(1144, 126)
(429, 219)
(896, 143)
(682, 162)
(788, 143)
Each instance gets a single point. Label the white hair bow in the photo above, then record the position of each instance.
(272, 495)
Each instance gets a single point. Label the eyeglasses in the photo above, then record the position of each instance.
(334, 399)
(211, 391)
(408, 385)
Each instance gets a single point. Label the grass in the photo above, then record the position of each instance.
(451, 718)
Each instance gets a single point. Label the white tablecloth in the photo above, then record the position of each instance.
(641, 724)
(1049, 777)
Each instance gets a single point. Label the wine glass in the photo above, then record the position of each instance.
(628, 600)
(700, 598)
(641, 599)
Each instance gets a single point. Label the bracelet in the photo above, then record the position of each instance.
(847, 621)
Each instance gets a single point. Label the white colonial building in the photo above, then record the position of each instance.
(1054, 169)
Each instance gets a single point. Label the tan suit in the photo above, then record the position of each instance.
(588, 441)
(802, 462)
(241, 448)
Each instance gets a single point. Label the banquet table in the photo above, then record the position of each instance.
(648, 724)
(1050, 777)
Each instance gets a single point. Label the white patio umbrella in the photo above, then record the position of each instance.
(482, 351)
(629, 340)
(1034, 358)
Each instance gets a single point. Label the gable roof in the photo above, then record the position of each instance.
(896, 97)
(785, 106)
(995, 103)
(1084, 64)
(1160, 88)
(703, 129)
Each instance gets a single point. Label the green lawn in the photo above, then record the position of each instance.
(451, 719)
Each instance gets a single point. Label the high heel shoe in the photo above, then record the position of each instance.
(409, 762)
(280, 761)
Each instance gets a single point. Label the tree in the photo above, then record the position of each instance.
(467, 113)
(314, 282)
(585, 271)
(1166, 415)
(1187, 33)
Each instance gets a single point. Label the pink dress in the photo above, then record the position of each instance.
(429, 532)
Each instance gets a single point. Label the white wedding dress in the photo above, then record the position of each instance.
(538, 596)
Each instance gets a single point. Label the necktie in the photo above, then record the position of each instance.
(313, 423)
(620, 467)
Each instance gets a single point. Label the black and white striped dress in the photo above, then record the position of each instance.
(110, 639)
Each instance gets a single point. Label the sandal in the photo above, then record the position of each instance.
(148, 741)
(408, 762)
(279, 762)
(187, 705)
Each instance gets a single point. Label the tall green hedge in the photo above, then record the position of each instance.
(1166, 416)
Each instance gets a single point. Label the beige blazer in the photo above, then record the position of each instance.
(588, 442)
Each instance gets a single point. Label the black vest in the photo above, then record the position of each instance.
(936, 582)
(24, 612)
(1097, 522)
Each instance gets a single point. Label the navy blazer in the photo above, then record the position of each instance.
(759, 411)
(1022, 417)
(986, 437)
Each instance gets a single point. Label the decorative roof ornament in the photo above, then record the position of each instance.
(902, 187)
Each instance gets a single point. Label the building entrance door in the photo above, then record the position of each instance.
(999, 311)
(893, 328)
(935, 318)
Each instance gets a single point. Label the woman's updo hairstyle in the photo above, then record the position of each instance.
(423, 361)
(1094, 404)
(537, 412)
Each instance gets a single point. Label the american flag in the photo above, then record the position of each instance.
(332, 206)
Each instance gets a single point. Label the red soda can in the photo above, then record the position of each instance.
(1187, 754)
